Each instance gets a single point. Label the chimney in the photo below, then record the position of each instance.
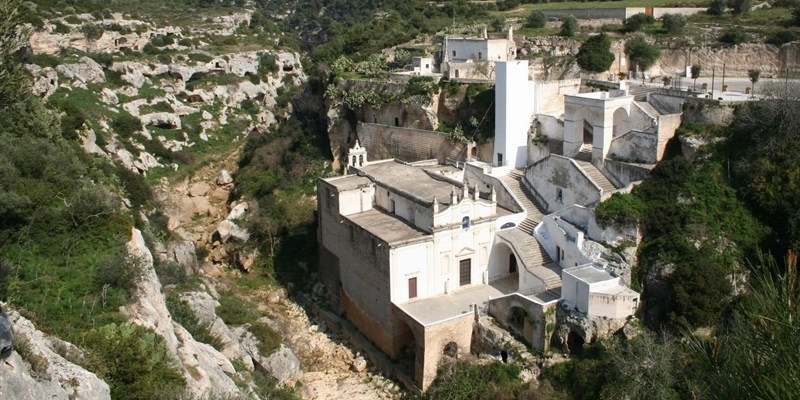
(435, 205)
(510, 33)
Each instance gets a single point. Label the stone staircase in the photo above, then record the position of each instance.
(648, 109)
(640, 93)
(535, 213)
(531, 254)
(596, 175)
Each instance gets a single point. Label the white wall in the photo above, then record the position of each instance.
(513, 111)
(559, 173)
(557, 234)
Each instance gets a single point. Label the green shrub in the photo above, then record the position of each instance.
(200, 57)
(183, 314)
(638, 21)
(734, 35)
(134, 362)
(595, 54)
(673, 23)
(236, 311)
(464, 380)
(125, 125)
(164, 58)
(267, 64)
(569, 27)
(620, 210)
(740, 6)
(269, 339)
(91, 31)
(717, 7)
(249, 106)
(642, 53)
(781, 37)
(135, 186)
(121, 271)
(162, 40)
(536, 20)
(61, 28)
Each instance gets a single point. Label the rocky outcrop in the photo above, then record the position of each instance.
(86, 71)
(161, 120)
(206, 370)
(42, 373)
(588, 329)
(204, 305)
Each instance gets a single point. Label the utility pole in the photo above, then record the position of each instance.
(713, 75)
(723, 77)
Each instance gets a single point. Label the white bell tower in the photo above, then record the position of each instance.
(357, 156)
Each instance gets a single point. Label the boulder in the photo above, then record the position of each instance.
(238, 211)
(89, 142)
(224, 178)
(204, 305)
(108, 96)
(227, 230)
(183, 253)
(86, 71)
(198, 189)
(359, 365)
(146, 161)
(55, 377)
(45, 82)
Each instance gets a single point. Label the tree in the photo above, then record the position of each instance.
(645, 367)
(641, 53)
(638, 21)
(498, 24)
(717, 7)
(595, 54)
(796, 15)
(91, 31)
(14, 80)
(754, 74)
(740, 6)
(734, 35)
(696, 68)
(673, 23)
(536, 20)
(569, 26)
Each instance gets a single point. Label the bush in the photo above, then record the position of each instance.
(134, 362)
(638, 21)
(536, 20)
(620, 210)
(267, 64)
(235, 311)
(61, 28)
(200, 57)
(126, 125)
(796, 15)
(673, 23)
(467, 380)
(569, 26)
(734, 35)
(740, 6)
(122, 270)
(782, 37)
(595, 54)
(269, 339)
(91, 31)
(717, 7)
(162, 40)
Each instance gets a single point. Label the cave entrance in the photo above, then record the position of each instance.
(575, 344)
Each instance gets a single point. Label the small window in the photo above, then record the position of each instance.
(465, 223)
(480, 55)
(396, 121)
(559, 195)
(500, 159)
(454, 53)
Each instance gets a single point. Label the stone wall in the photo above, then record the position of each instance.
(560, 182)
(383, 141)
(635, 146)
(704, 113)
(536, 326)
(625, 173)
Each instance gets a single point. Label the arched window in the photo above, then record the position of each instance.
(465, 223)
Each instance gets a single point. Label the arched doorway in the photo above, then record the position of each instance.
(450, 350)
(621, 122)
(516, 320)
(575, 344)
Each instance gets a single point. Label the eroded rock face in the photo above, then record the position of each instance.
(52, 377)
(205, 369)
(587, 328)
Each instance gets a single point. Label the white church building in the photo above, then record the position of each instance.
(413, 253)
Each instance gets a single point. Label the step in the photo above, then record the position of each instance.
(596, 175)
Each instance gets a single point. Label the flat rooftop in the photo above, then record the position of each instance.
(431, 310)
(349, 182)
(411, 180)
(589, 274)
(386, 226)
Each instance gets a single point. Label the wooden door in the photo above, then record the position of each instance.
(412, 288)
(465, 271)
